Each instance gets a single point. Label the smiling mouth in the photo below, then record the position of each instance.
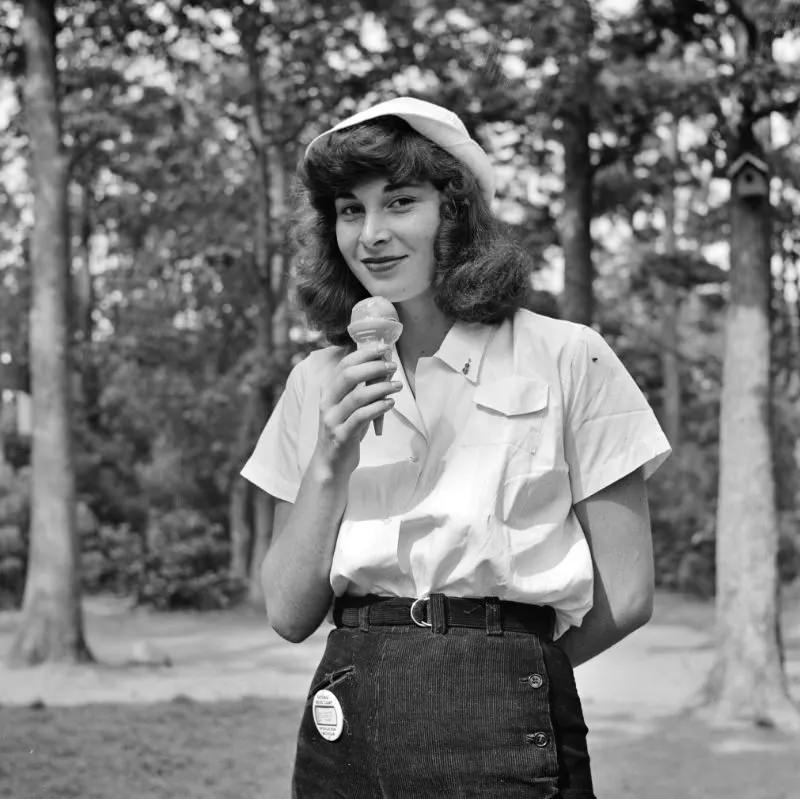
(381, 264)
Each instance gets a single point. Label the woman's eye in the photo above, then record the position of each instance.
(348, 210)
(401, 202)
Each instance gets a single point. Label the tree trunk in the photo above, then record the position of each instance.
(249, 23)
(278, 187)
(577, 301)
(84, 285)
(276, 348)
(669, 302)
(51, 627)
(84, 303)
(270, 187)
(263, 517)
(670, 366)
(239, 525)
(748, 681)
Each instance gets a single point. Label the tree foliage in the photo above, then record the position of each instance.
(183, 123)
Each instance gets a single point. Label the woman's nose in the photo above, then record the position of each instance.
(374, 230)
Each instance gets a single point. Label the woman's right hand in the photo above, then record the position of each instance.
(358, 393)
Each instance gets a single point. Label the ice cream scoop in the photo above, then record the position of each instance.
(374, 321)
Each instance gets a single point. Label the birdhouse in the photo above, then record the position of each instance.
(749, 177)
(15, 401)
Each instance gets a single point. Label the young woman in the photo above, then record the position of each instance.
(496, 534)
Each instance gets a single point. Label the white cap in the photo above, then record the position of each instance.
(438, 124)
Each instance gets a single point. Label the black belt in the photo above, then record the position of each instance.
(439, 612)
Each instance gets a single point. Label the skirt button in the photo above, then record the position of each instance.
(539, 739)
(535, 680)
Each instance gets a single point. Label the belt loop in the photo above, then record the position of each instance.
(494, 618)
(437, 613)
(363, 618)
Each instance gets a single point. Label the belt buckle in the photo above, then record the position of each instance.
(411, 610)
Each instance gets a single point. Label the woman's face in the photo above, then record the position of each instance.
(386, 235)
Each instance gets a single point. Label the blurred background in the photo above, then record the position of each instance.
(648, 157)
(618, 129)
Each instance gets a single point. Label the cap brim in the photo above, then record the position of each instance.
(451, 137)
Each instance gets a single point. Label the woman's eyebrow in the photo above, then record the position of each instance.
(406, 184)
(344, 195)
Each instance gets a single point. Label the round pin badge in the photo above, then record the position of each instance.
(327, 714)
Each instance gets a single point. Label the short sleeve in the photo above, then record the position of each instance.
(274, 464)
(610, 429)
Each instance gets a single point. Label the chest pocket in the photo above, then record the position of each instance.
(509, 412)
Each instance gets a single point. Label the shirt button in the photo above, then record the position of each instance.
(535, 680)
(539, 739)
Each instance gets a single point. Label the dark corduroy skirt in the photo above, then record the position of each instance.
(460, 714)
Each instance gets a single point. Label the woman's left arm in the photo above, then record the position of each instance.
(616, 522)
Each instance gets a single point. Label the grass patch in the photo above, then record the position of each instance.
(681, 758)
(244, 750)
(174, 750)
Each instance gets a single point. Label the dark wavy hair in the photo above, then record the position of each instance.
(480, 275)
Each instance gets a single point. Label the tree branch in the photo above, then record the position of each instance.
(735, 7)
(788, 109)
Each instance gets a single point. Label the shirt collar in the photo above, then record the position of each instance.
(463, 348)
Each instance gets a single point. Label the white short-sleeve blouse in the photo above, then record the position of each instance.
(470, 489)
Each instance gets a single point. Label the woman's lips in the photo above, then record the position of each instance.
(378, 265)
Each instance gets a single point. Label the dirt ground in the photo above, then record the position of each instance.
(645, 741)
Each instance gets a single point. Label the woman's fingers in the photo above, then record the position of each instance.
(367, 394)
(362, 396)
(361, 366)
(357, 394)
(355, 424)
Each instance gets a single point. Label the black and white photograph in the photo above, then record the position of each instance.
(399, 399)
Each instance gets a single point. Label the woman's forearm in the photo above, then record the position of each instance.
(296, 570)
(616, 524)
(602, 627)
